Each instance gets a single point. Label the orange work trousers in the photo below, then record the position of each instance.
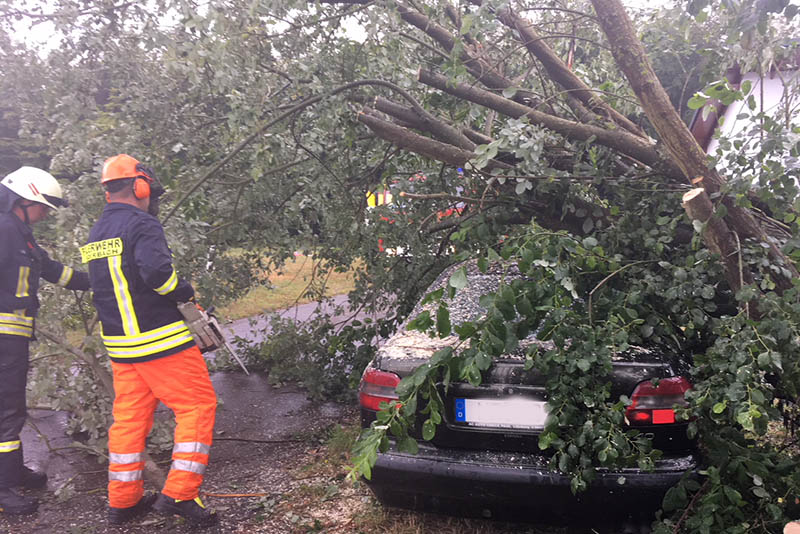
(181, 382)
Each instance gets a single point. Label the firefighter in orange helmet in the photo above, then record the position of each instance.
(153, 355)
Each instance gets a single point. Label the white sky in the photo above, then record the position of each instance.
(43, 35)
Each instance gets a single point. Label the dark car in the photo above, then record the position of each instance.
(485, 460)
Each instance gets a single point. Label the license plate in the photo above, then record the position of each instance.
(502, 413)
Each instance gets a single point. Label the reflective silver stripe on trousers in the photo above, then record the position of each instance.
(191, 447)
(125, 476)
(186, 465)
(129, 458)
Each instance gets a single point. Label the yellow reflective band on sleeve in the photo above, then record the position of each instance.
(22, 281)
(101, 249)
(147, 343)
(16, 325)
(9, 446)
(169, 285)
(66, 276)
(130, 325)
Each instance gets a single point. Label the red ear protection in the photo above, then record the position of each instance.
(141, 187)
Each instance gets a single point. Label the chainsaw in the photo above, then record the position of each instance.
(206, 330)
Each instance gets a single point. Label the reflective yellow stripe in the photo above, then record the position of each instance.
(146, 337)
(9, 446)
(14, 330)
(15, 318)
(16, 325)
(22, 281)
(130, 325)
(66, 276)
(150, 348)
(169, 285)
(125, 476)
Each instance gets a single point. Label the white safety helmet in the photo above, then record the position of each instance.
(35, 185)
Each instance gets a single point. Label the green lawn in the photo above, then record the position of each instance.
(286, 288)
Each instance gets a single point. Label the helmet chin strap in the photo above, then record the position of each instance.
(24, 208)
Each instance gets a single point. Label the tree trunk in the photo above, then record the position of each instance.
(681, 145)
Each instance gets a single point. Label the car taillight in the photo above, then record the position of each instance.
(377, 386)
(653, 405)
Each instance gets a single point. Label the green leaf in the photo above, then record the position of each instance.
(483, 361)
(428, 430)
(733, 496)
(473, 376)
(458, 279)
(697, 101)
(408, 444)
(441, 356)
(443, 321)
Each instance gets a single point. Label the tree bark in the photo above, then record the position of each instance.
(446, 133)
(478, 67)
(419, 144)
(681, 145)
(560, 73)
(635, 147)
(718, 237)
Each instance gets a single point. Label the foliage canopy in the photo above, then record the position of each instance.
(270, 125)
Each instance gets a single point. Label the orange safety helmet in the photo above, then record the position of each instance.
(123, 166)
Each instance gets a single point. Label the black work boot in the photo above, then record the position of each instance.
(193, 511)
(117, 516)
(33, 479)
(12, 502)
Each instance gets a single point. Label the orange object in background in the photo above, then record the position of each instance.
(139, 387)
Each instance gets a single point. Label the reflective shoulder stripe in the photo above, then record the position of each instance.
(101, 249)
(169, 285)
(22, 281)
(9, 446)
(125, 476)
(130, 324)
(66, 276)
(127, 458)
(186, 465)
(191, 447)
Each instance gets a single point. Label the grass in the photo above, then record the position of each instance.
(288, 287)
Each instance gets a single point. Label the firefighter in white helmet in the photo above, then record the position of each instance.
(26, 196)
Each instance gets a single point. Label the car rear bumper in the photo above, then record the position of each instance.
(514, 486)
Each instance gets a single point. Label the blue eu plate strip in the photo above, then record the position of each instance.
(461, 410)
